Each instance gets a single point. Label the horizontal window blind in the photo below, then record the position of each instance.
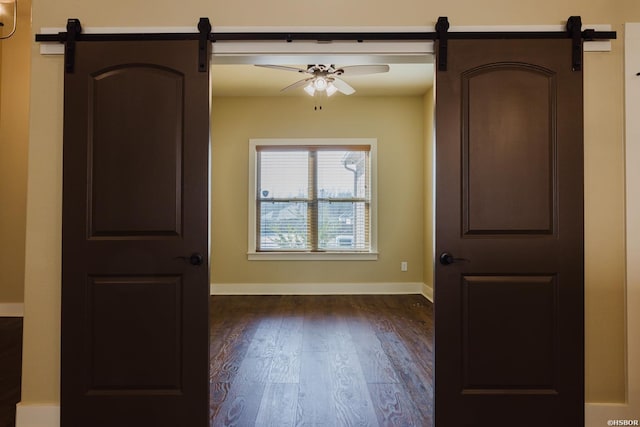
(313, 198)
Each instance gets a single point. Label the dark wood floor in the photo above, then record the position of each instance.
(321, 361)
(10, 368)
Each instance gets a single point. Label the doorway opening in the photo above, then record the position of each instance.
(298, 339)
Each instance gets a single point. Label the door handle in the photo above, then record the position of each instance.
(193, 259)
(446, 258)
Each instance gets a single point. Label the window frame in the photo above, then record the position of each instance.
(334, 255)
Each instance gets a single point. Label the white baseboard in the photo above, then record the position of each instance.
(427, 291)
(11, 309)
(599, 414)
(37, 415)
(315, 288)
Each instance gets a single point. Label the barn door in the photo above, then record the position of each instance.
(135, 236)
(509, 236)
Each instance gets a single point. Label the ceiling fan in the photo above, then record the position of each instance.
(326, 78)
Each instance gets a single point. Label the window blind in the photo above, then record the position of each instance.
(313, 198)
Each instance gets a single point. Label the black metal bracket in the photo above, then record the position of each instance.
(204, 27)
(442, 28)
(74, 28)
(574, 28)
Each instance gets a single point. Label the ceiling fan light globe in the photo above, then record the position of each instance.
(331, 89)
(310, 89)
(320, 84)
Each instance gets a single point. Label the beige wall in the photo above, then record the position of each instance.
(604, 154)
(428, 141)
(604, 227)
(14, 131)
(0, 80)
(397, 123)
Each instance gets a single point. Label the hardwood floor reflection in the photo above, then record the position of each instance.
(364, 360)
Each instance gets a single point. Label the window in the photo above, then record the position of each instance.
(312, 198)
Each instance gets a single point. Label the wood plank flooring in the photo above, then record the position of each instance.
(364, 360)
(10, 368)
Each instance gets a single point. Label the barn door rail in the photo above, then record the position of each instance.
(574, 31)
(74, 33)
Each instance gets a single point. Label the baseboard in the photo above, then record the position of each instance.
(427, 291)
(600, 414)
(37, 415)
(11, 309)
(315, 288)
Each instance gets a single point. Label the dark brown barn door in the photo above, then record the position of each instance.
(135, 200)
(509, 229)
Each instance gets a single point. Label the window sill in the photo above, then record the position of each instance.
(312, 256)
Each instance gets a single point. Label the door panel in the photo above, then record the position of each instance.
(498, 335)
(507, 181)
(153, 199)
(135, 204)
(150, 362)
(509, 207)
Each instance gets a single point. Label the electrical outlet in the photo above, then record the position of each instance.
(403, 266)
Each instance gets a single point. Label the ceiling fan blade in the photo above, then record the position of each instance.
(282, 67)
(343, 86)
(359, 70)
(296, 84)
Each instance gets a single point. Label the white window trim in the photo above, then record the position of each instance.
(371, 255)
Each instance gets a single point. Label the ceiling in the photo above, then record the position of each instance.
(249, 80)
